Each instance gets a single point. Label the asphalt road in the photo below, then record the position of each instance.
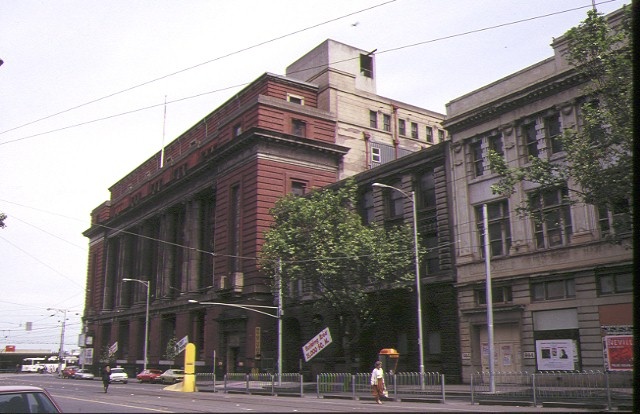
(86, 396)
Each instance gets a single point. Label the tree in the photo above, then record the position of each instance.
(325, 248)
(3, 217)
(107, 357)
(599, 156)
(171, 351)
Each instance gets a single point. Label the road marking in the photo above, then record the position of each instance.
(110, 403)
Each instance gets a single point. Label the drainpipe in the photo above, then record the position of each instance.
(367, 150)
(395, 130)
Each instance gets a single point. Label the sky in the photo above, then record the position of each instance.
(91, 89)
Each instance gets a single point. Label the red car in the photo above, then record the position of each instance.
(69, 372)
(149, 375)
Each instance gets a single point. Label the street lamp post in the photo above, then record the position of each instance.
(412, 197)
(61, 349)
(146, 318)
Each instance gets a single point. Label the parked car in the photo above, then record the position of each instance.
(26, 399)
(69, 371)
(118, 374)
(171, 376)
(83, 374)
(149, 375)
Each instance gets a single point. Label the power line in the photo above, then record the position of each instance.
(395, 49)
(200, 64)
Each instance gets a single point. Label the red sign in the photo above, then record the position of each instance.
(9, 348)
(619, 352)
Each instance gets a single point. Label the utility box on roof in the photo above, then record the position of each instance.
(389, 358)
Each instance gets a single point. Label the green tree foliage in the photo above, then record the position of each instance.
(599, 156)
(171, 351)
(345, 265)
(106, 357)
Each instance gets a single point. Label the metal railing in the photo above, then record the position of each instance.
(600, 389)
(263, 383)
(403, 385)
(592, 387)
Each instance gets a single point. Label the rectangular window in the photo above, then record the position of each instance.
(530, 139)
(298, 128)
(611, 284)
(429, 233)
(553, 131)
(234, 229)
(429, 134)
(373, 119)
(553, 289)
(551, 217)
(440, 135)
(614, 219)
(299, 100)
(237, 130)
(394, 202)
(414, 130)
(402, 127)
(298, 188)
(386, 122)
(496, 144)
(499, 228)
(434, 342)
(367, 212)
(427, 190)
(499, 294)
(376, 155)
(476, 158)
(366, 65)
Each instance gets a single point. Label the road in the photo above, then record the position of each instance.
(86, 396)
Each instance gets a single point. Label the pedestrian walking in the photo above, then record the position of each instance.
(378, 388)
(106, 377)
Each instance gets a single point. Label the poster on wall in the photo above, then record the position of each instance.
(619, 352)
(555, 354)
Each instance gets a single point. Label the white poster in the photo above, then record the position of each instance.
(182, 344)
(555, 354)
(113, 348)
(316, 344)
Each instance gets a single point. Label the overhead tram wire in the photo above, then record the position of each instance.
(198, 65)
(246, 83)
(497, 26)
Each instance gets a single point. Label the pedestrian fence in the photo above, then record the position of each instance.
(607, 389)
(596, 387)
(402, 385)
(254, 383)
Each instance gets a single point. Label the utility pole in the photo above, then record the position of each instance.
(61, 349)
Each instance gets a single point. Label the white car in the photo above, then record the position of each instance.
(83, 374)
(118, 375)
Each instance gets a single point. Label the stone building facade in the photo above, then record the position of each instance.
(559, 287)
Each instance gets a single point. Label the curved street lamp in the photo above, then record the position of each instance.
(146, 318)
(257, 309)
(412, 197)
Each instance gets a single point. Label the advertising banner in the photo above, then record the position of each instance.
(113, 348)
(555, 355)
(619, 352)
(316, 344)
(182, 344)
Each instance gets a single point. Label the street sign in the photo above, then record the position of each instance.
(182, 344)
(316, 344)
